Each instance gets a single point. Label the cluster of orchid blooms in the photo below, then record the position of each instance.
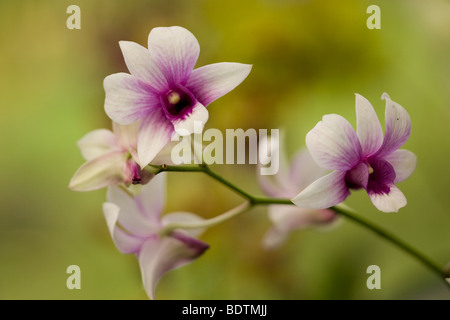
(162, 97)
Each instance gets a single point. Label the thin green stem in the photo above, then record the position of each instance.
(254, 200)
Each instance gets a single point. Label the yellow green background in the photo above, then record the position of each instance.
(309, 58)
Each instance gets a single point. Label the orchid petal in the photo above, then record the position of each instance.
(183, 217)
(157, 256)
(175, 50)
(304, 170)
(154, 133)
(334, 144)
(404, 163)
(368, 127)
(132, 217)
(126, 243)
(213, 81)
(143, 65)
(97, 143)
(128, 99)
(391, 201)
(126, 135)
(103, 171)
(398, 127)
(325, 192)
(198, 117)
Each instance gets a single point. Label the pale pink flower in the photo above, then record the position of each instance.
(135, 222)
(286, 183)
(361, 159)
(162, 91)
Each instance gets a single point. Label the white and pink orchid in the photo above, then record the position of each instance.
(286, 183)
(162, 91)
(110, 159)
(361, 159)
(135, 222)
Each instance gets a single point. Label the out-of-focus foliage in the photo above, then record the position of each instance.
(309, 58)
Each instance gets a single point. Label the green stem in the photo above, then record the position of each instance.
(254, 200)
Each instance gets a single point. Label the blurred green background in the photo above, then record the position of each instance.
(309, 58)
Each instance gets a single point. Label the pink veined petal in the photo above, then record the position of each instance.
(388, 202)
(126, 135)
(154, 133)
(97, 143)
(132, 216)
(103, 171)
(368, 127)
(334, 144)
(175, 50)
(404, 163)
(323, 193)
(126, 243)
(143, 65)
(157, 256)
(196, 120)
(398, 127)
(213, 81)
(128, 99)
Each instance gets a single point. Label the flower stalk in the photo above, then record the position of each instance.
(255, 200)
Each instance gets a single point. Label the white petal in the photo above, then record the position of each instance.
(128, 99)
(213, 81)
(196, 120)
(143, 65)
(126, 243)
(323, 193)
(158, 256)
(155, 133)
(126, 135)
(304, 170)
(97, 143)
(368, 127)
(132, 217)
(404, 163)
(389, 202)
(175, 50)
(334, 144)
(183, 217)
(103, 171)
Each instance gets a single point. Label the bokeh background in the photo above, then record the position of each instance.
(309, 58)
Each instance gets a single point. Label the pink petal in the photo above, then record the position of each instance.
(126, 135)
(404, 163)
(213, 81)
(398, 127)
(103, 171)
(128, 99)
(126, 243)
(158, 256)
(154, 133)
(391, 201)
(97, 143)
(143, 65)
(334, 144)
(196, 120)
(323, 193)
(175, 50)
(368, 128)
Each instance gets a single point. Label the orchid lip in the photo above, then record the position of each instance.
(177, 102)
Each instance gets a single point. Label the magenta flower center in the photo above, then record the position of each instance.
(374, 175)
(178, 101)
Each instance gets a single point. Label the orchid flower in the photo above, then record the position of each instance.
(361, 159)
(286, 183)
(134, 223)
(110, 159)
(163, 91)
